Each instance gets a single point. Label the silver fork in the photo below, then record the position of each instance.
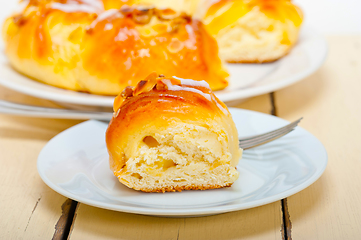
(258, 140)
(37, 111)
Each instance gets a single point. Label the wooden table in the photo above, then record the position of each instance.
(329, 101)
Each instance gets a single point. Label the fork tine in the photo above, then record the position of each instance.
(264, 141)
(266, 137)
(258, 140)
(248, 145)
(274, 131)
(270, 134)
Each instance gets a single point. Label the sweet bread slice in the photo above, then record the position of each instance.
(172, 134)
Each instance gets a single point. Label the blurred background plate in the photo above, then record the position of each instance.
(246, 80)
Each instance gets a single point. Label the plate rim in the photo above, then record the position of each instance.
(78, 98)
(251, 92)
(190, 212)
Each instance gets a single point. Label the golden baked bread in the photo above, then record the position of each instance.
(247, 31)
(172, 134)
(187, 6)
(250, 31)
(77, 45)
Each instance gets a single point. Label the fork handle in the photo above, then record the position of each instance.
(47, 112)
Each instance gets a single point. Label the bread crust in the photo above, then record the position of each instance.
(172, 134)
(182, 188)
(85, 48)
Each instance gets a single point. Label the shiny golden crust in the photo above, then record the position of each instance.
(247, 31)
(179, 189)
(80, 46)
(187, 6)
(172, 134)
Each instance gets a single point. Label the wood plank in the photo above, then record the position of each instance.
(29, 209)
(257, 223)
(330, 101)
(65, 222)
(260, 103)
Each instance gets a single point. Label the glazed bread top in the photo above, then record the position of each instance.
(159, 103)
(102, 50)
(176, 44)
(222, 13)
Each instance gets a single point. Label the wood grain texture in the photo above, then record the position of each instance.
(29, 209)
(260, 103)
(330, 101)
(65, 222)
(257, 223)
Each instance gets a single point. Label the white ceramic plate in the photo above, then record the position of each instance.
(246, 80)
(75, 164)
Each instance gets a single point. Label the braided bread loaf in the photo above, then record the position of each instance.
(91, 47)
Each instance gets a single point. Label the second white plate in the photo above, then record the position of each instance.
(75, 164)
(246, 80)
